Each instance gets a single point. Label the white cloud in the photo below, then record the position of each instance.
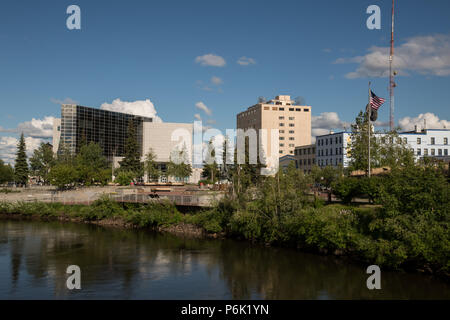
(65, 101)
(200, 105)
(244, 61)
(426, 55)
(216, 80)
(211, 60)
(198, 117)
(144, 108)
(8, 147)
(432, 122)
(326, 122)
(36, 128)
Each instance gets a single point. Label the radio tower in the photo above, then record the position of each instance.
(392, 73)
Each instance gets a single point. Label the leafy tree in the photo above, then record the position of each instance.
(327, 176)
(359, 144)
(124, 178)
(210, 166)
(65, 155)
(151, 166)
(131, 161)
(6, 173)
(179, 166)
(63, 175)
(41, 161)
(21, 169)
(394, 152)
(92, 166)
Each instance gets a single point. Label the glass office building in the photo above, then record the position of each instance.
(107, 128)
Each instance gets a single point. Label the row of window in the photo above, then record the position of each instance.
(290, 131)
(290, 109)
(304, 162)
(305, 151)
(282, 118)
(291, 145)
(440, 152)
(326, 162)
(290, 124)
(338, 152)
(290, 138)
(432, 141)
(325, 141)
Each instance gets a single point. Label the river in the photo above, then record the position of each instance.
(139, 264)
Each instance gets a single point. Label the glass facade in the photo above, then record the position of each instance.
(107, 128)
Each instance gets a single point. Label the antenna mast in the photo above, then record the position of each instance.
(391, 75)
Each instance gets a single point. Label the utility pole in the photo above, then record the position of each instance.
(392, 84)
(368, 111)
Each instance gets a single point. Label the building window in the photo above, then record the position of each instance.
(281, 131)
(291, 118)
(433, 140)
(419, 140)
(445, 152)
(291, 125)
(331, 152)
(298, 109)
(291, 109)
(291, 131)
(266, 108)
(281, 144)
(281, 151)
(306, 110)
(419, 152)
(281, 109)
(433, 152)
(291, 152)
(274, 108)
(446, 141)
(326, 141)
(281, 124)
(291, 138)
(340, 139)
(425, 152)
(281, 138)
(405, 140)
(280, 118)
(291, 145)
(440, 152)
(331, 140)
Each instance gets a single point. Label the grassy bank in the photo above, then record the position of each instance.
(361, 233)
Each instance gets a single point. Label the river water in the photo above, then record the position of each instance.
(138, 264)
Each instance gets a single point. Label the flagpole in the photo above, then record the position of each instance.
(368, 118)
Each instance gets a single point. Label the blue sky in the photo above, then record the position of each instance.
(137, 50)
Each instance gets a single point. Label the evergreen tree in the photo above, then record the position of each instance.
(179, 166)
(21, 166)
(131, 161)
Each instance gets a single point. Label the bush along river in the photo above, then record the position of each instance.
(118, 263)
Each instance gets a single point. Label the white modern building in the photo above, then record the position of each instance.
(334, 148)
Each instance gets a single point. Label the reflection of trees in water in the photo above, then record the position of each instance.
(122, 260)
(276, 273)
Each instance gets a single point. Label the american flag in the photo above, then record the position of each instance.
(375, 102)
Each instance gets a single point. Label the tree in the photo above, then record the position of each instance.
(21, 170)
(6, 173)
(92, 166)
(327, 177)
(62, 175)
(131, 161)
(210, 167)
(41, 161)
(179, 166)
(150, 166)
(359, 144)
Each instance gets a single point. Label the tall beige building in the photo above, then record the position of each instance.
(293, 122)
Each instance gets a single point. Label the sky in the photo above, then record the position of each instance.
(187, 60)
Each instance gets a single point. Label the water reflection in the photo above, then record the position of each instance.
(130, 264)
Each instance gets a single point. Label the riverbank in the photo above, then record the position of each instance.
(334, 229)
